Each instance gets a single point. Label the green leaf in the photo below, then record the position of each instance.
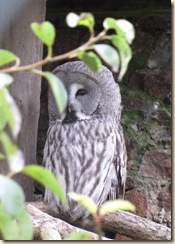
(124, 52)
(84, 19)
(83, 236)
(2, 156)
(128, 28)
(3, 116)
(5, 110)
(11, 196)
(5, 80)
(14, 155)
(72, 19)
(8, 146)
(58, 90)
(112, 206)
(19, 228)
(122, 27)
(6, 57)
(46, 178)
(25, 226)
(91, 60)
(110, 23)
(10, 111)
(45, 32)
(109, 55)
(86, 201)
(8, 226)
(87, 20)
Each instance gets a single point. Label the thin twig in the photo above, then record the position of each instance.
(86, 46)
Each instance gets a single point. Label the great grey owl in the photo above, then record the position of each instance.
(85, 146)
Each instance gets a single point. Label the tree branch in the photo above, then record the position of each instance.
(48, 59)
(47, 227)
(121, 222)
(136, 227)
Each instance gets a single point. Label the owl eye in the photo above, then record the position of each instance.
(81, 92)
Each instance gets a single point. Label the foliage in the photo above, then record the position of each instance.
(106, 208)
(78, 236)
(15, 223)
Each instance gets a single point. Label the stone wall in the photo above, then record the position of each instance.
(146, 92)
(146, 118)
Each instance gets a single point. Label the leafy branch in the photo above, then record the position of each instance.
(46, 33)
(106, 208)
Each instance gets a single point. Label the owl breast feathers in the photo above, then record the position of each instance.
(85, 146)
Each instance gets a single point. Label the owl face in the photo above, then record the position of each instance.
(83, 97)
(89, 94)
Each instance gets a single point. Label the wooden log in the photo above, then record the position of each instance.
(121, 222)
(136, 227)
(47, 227)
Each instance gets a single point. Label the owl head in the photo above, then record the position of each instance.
(89, 94)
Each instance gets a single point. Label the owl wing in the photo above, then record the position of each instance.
(120, 160)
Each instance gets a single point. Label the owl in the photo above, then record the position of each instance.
(85, 146)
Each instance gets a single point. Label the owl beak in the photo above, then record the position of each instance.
(70, 116)
(69, 110)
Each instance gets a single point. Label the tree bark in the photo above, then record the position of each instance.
(47, 227)
(121, 222)
(135, 227)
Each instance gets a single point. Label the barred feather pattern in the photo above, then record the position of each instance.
(85, 148)
(84, 157)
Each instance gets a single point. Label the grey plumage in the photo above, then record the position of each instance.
(85, 146)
